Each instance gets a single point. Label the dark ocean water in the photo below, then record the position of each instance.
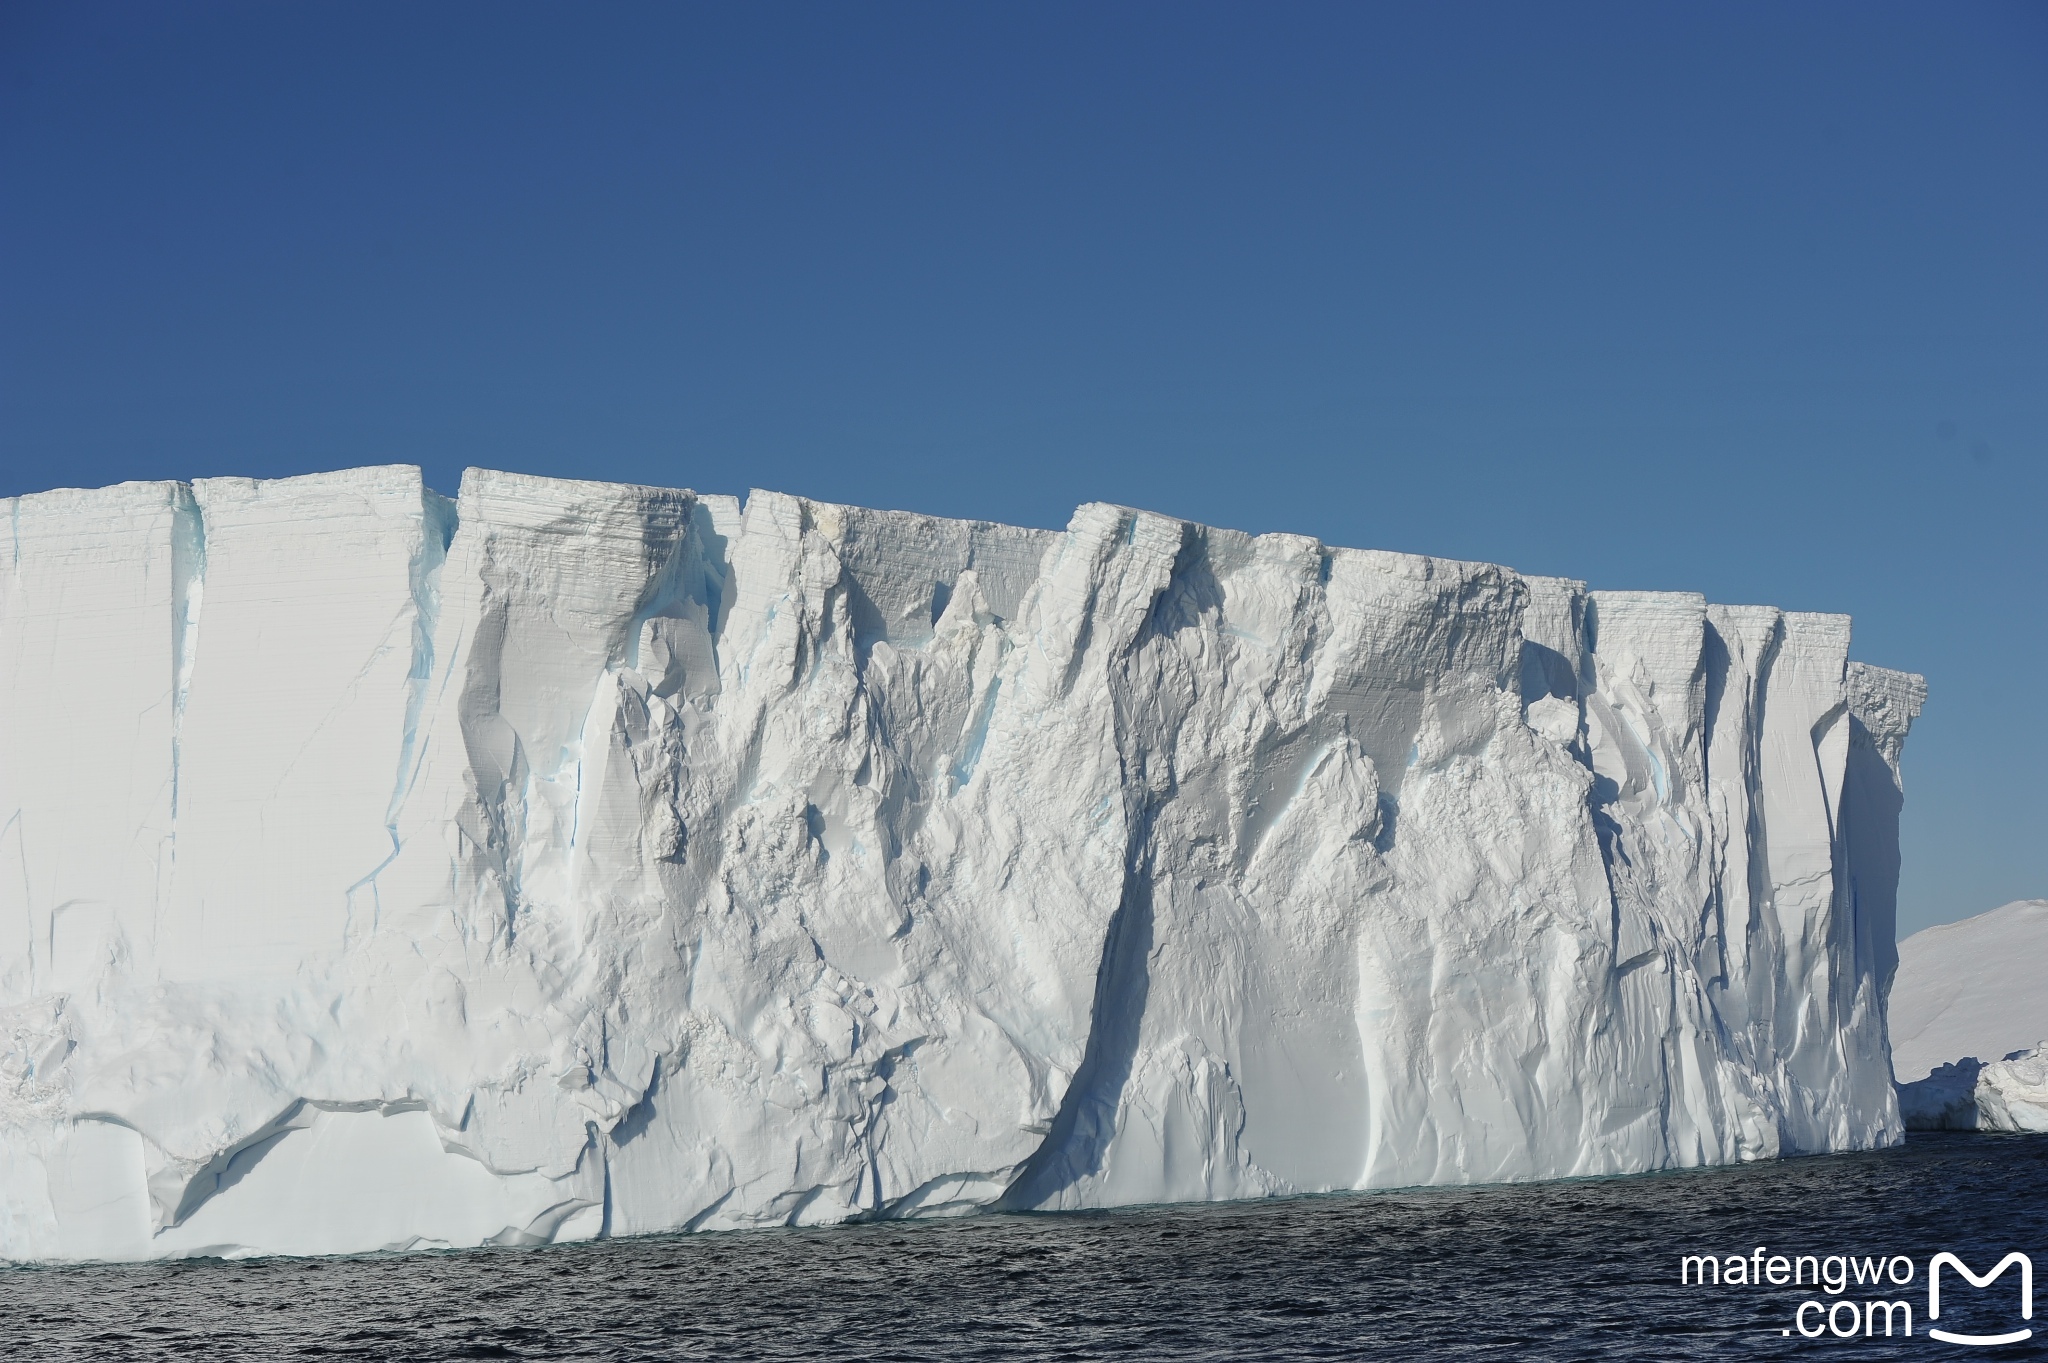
(1584, 1269)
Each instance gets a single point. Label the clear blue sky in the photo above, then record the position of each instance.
(1751, 300)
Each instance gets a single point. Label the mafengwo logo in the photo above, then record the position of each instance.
(1879, 1301)
(1940, 1261)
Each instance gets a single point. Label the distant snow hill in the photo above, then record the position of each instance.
(1977, 988)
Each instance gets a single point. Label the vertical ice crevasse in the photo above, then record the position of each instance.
(437, 532)
(188, 591)
(423, 578)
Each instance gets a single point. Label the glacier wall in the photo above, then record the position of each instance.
(576, 860)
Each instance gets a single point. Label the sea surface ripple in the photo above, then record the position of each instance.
(1579, 1269)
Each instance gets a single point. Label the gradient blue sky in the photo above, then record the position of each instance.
(1744, 299)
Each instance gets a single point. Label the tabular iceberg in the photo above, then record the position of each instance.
(576, 859)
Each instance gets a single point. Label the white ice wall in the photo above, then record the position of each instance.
(293, 720)
(578, 859)
(96, 586)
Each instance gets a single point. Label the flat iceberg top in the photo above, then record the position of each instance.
(1973, 989)
(571, 859)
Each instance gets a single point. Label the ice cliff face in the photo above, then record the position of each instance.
(578, 859)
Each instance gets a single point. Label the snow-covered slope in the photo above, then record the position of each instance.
(1977, 988)
(578, 859)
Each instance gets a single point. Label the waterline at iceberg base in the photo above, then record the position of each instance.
(571, 859)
